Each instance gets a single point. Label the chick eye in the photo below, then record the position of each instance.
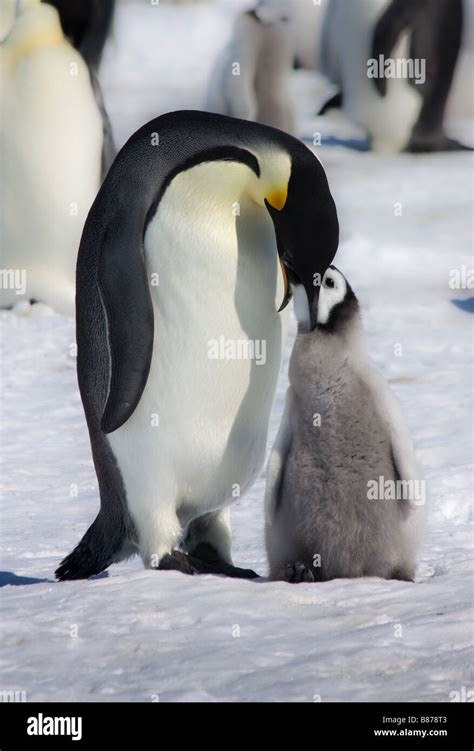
(329, 282)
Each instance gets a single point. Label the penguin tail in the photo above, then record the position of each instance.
(94, 553)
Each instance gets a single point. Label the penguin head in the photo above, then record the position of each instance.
(272, 11)
(307, 233)
(335, 306)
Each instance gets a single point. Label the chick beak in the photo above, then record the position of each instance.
(312, 293)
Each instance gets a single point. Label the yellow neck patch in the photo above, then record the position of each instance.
(277, 197)
(25, 47)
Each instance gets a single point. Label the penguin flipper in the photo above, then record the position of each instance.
(399, 15)
(404, 461)
(126, 301)
(124, 287)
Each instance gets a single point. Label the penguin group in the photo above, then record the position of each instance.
(394, 63)
(370, 50)
(201, 230)
(50, 54)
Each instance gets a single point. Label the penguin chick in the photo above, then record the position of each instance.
(343, 496)
(250, 78)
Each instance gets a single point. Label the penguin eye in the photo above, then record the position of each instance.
(329, 282)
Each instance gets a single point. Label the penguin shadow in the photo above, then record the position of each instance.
(467, 304)
(8, 578)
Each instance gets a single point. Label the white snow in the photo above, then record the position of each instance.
(139, 635)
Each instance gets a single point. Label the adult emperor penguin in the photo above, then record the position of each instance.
(341, 440)
(361, 37)
(52, 143)
(178, 330)
(250, 78)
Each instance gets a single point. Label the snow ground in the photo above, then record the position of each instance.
(139, 635)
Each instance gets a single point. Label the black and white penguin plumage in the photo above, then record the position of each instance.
(87, 24)
(55, 146)
(250, 78)
(179, 332)
(341, 432)
(399, 113)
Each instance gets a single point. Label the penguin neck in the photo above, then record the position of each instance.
(37, 27)
(344, 341)
(219, 189)
(349, 336)
(211, 216)
(320, 356)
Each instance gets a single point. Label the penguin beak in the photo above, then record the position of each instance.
(288, 293)
(313, 307)
(312, 293)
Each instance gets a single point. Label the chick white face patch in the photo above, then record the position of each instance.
(333, 292)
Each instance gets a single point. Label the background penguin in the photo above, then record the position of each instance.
(86, 23)
(54, 147)
(258, 90)
(317, 501)
(181, 250)
(398, 113)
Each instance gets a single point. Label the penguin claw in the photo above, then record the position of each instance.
(298, 572)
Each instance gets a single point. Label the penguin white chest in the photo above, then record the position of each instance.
(198, 435)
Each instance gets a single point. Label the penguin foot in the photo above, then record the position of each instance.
(211, 560)
(298, 572)
(439, 142)
(177, 561)
(203, 560)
